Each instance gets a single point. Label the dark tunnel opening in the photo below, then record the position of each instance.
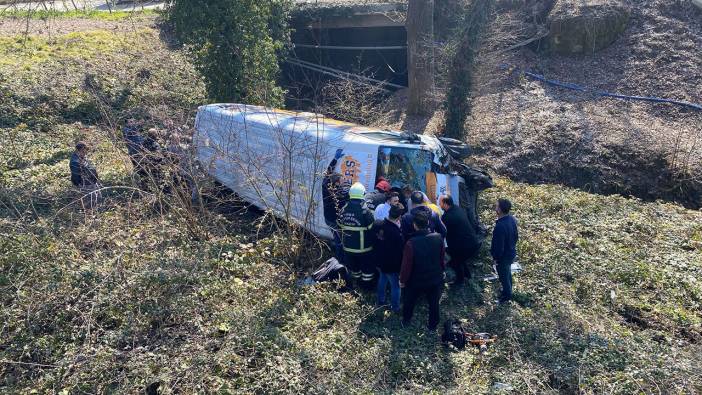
(309, 68)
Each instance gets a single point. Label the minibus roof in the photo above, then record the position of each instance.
(329, 128)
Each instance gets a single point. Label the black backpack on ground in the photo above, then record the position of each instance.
(332, 270)
(454, 334)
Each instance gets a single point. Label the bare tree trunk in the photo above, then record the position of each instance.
(420, 56)
(458, 104)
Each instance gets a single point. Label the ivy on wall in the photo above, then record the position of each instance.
(460, 75)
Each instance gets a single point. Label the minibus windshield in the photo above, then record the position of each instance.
(402, 166)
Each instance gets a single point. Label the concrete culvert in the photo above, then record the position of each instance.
(585, 25)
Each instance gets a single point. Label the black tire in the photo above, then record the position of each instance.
(456, 148)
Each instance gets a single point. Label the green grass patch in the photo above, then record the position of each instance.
(26, 51)
(590, 315)
(81, 14)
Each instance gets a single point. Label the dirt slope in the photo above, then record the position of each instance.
(541, 134)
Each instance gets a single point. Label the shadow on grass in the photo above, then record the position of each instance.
(50, 161)
(417, 355)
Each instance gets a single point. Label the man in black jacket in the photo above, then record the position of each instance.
(388, 247)
(504, 247)
(84, 175)
(145, 153)
(422, 271)
(379, 195)
(435, 225)
(461, 238)
(356, 224)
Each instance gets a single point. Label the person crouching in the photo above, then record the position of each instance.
(422, 271)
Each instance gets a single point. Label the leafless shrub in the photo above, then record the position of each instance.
(350, 101)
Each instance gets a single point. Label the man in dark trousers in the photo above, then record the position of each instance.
(356, 224)
(461, 238)
(504, 247)
(334, 198)
(422, 271)
(146, 155)
(388, 247)
(435, 224)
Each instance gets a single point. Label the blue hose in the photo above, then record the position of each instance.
(580, 88)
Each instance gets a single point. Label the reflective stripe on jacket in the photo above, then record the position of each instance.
(356, 222)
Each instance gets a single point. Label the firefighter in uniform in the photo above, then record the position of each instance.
(356, 224)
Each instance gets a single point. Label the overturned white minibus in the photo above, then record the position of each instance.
(276, 159)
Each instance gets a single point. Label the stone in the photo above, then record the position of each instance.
(582, 26)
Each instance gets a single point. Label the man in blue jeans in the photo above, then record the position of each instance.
(388, 247)
(504, 247)
(422, 271)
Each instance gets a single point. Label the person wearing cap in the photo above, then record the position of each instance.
(356, 223)
(378, 196)
(418, 206)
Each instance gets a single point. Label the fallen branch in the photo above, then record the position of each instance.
(539, 35)
(41, 365)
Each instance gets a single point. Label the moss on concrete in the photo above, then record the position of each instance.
(585, 27)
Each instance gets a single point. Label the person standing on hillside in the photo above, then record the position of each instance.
(388, 247)
(504, 247)
(461, 239)
(84, 175)
(356, 224)
(422, 271)
(145, 154)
